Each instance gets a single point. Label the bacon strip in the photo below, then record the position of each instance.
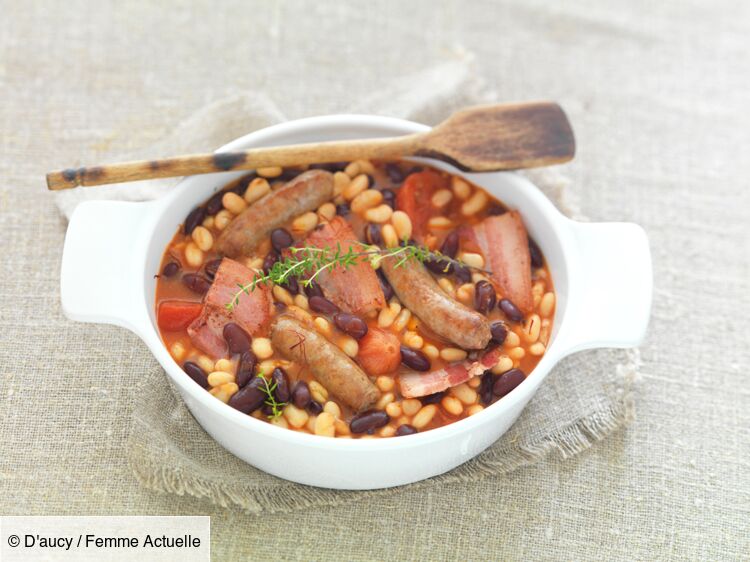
(252, 312)
(414, 385)
(355, 289)
(505, 245)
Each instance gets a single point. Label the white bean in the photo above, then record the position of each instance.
(270, 171)
(233, 203)
(475, 203)
(441, 198)
(262, 348)
(203, 238)
(257, 189)
(402, 224)
(547, 304)
(380, 214)
(461, 188)
(305, 223)
(366, 200)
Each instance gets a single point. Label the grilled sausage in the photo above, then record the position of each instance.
(300, 342)
(448, 318)
(306, 192)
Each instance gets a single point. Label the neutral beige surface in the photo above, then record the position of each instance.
(657, 93)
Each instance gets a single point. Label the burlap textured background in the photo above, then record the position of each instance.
(657, 93)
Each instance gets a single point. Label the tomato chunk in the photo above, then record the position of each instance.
(177, 315)
(414, 198)
(379, 352)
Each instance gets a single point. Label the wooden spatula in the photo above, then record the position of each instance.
(478, 139)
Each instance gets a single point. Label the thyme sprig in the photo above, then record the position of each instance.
(307, 262)
(268, 389)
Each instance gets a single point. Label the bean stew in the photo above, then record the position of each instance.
(355, 300)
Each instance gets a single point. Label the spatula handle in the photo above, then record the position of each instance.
(284, 156)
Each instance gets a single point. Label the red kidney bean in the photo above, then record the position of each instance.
(196, 283)
(343, 209)
(406, 429)
(385, 285)
(237, 339)
(301, 394)
(368, 421)
(394, 172)
(312, 289)
(484, 297)
(537, 260)
(351, 324)
(322, 305)
(496, 210)
(485, 388)
(414, 170)
(267, 410)
(242, 184)
(279, 306)
(463, 273)
(195, 373)
(314, 407)
(449, 247)
(330, 166)
(440, 265)
(270, 259)
(414, 359)
(214, 205)
(211, 268)
(432, 398)
(170, 269)
(511, 310)
(389, 197)
(249, 398)
(291, 285)
(499, 332)
(373, 234)
(281, 392)
(194, 218)
(288, 174)
(507, 382)
(246, 367)
(280, 239)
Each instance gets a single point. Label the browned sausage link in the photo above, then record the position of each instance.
(301, 343)
(448, 318)
(306, 192)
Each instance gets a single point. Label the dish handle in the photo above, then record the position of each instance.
(612, 287)
(99, 278)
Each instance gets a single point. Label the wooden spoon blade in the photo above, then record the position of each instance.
(502, 137)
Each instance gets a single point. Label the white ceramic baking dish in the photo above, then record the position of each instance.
(601, 271)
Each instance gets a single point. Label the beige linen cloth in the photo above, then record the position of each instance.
(584, 399)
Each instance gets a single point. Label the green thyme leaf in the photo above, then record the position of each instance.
(307, 262)
(268, 389)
